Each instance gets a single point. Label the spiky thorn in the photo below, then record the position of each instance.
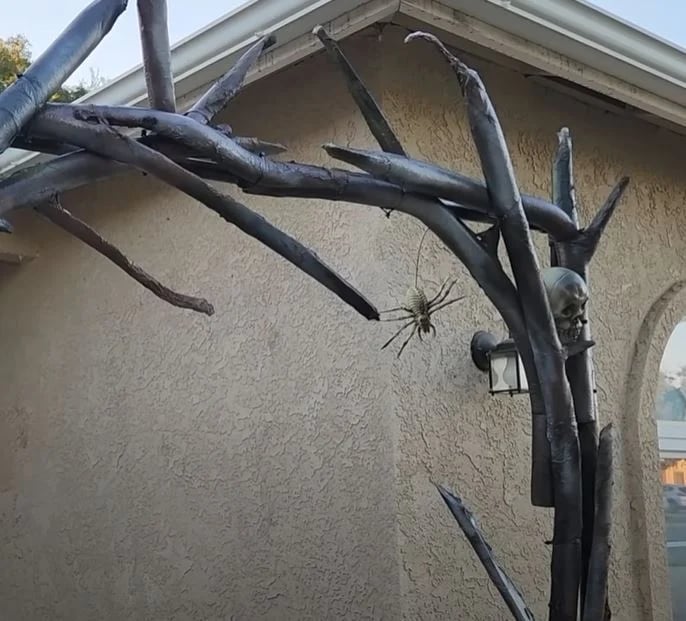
(490, 238)
(425, 178)
(230, 84)
(506, 587)
(371, 111)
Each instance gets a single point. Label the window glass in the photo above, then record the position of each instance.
(671, 425)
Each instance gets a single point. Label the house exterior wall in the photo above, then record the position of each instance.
(271, 461)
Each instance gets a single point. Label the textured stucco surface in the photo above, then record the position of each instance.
(270, 462)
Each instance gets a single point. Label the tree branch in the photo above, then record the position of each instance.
(424, 178)
(20, 101)
(507, 589)
(547, 351)
(54, 212)
(594, 231)
(163, 145)
(253, 171)
(229, 85)
(309, 181)
(579, 368)
(286, 178)
(376, 121)
(29, 186)
(105, 141)
(152, 20)
(596, 607)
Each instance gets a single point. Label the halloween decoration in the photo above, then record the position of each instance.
(417, 308)
(544, 309)
(567, 295)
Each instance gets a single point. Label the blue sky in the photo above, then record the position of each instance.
(120, 50)
(664, 18)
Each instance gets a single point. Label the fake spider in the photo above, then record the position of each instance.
(419, 309)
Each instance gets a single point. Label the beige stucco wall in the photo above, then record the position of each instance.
(271, 462)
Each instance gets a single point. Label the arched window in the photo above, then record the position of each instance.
(670, 412)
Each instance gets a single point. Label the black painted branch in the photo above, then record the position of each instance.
(548, 354)
(228, 86)
(506, 587)
(596, 607)
(248, 167)
(163, 145)
(424, 178)
(254, 174)
(30, 186)
(576, 255)
(152, 20)
(291, 179)
(376, 121)
(256, 145)
(20, 101)
(58, 123)
(53, 211)
(579, 368)
(595, 230)
(579, 252)
(267, 177)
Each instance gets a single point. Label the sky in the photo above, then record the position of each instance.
(120, 50)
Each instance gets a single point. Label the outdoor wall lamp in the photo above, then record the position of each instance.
(502, 362)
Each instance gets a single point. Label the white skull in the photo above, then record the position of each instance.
(567, 294)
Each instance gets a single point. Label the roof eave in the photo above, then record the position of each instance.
(592, 36)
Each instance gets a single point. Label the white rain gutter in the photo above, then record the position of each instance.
(585, 33)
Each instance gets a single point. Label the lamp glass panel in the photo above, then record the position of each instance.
(504, 371)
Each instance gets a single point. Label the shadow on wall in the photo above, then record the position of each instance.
(641, 456)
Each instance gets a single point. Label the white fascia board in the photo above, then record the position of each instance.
(591, 36)
(204, 56)
(560, 50)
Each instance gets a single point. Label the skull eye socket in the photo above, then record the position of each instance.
(570, 310)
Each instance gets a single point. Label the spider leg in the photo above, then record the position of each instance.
(431, 327)
(398, 318)
(440, 306)
(407, 340)
(392, 310)
(388, 342)
(440, 291)
(439, 298)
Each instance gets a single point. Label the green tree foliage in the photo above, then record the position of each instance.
(15, 57)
